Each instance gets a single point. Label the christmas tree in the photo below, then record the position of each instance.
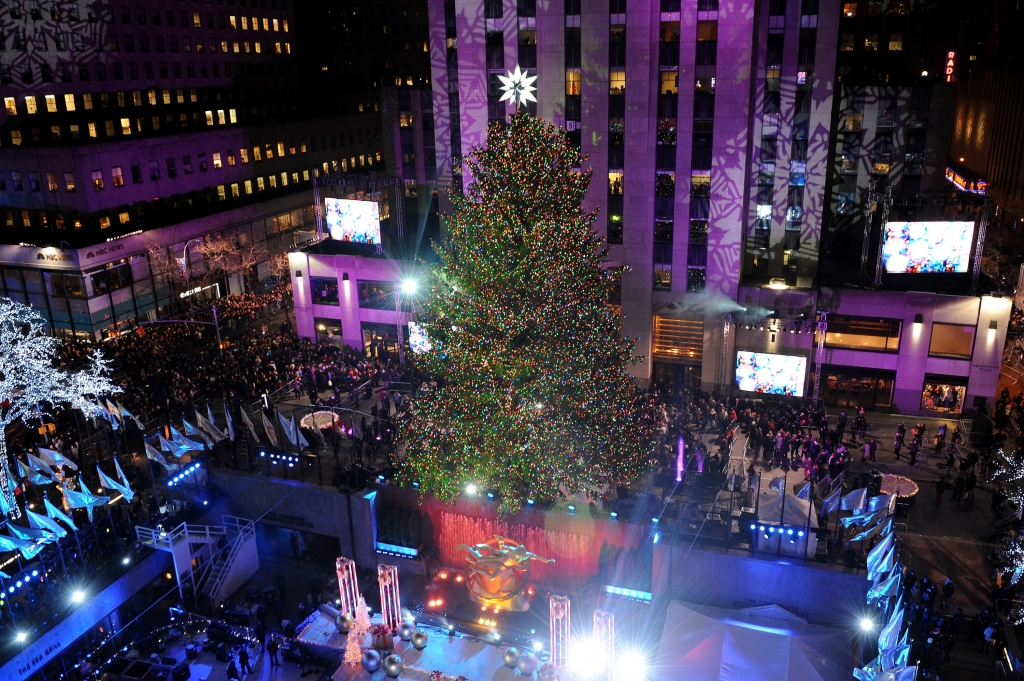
(533, 390)
(356, 637)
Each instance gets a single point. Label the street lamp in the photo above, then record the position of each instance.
(184, 257)
(408, 287)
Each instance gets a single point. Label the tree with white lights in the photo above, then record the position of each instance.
(357, 636)
(31, 383)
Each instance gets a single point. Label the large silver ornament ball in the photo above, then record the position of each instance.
(344, 623)
(405, 630)
(371, 661)
(510, 657)
(419, 640)
(527, 664)
(393, 666)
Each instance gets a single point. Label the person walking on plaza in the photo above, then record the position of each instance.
(948, 589)
(272, 651)
(243, 660)
(897, 443)
(940, 489)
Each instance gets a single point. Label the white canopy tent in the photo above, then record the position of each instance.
(771, 507)
(765, 643)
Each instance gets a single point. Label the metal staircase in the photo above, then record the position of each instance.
(224, 571)
(214, 559)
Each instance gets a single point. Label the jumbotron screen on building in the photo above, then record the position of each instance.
(357, 222)
(923, 247)
(762, 372)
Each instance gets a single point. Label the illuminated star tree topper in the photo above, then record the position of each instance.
(518, 87)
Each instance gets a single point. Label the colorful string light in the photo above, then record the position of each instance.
(533, 391)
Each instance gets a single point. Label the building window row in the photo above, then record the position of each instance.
(125, 215)
(210, 45)
(64, 73)
(142, 17)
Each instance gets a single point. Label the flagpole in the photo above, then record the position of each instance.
(782, 509)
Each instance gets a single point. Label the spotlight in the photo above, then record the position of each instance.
(614, 514)
(631, 664)
(21, 636)
(471, 489)
(35, 573)
(409, 286)
(529, 502)
(538, 646)
(753, 526)
(867, 624)
(800, 533)
(490, 495)
(587, 658)
(78, 596)
(125, 560)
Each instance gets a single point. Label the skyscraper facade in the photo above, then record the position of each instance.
(721, 137)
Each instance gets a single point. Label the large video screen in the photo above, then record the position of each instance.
(920, 247)
(419, 342)
(357, 222)
(761, 372)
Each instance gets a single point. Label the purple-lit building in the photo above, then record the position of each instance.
(712, 129)
(170, 120)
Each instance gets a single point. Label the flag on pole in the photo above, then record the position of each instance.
(831, 502)
(183, 442)
(109, 483)
(124, 481)
(58, 514)
(30, 475)
(868, 672)
(885, 589)
(876, 555)
(854, 501)
(125, 413)
(194, 431)
(864, 520)
(890, 635)
(299, 438)
(39, 465)
(867, 533)
(216, 433)
(41, 522)
(231, 427)
(31, 534)
(28, 549)
(249, 424)
(55, 458)
(288, 428)
(83, 499)
(803, 490)
(778, 484)
(114, 415)
(268, 428)
(213, 421)
(882, 501)
(153, 454)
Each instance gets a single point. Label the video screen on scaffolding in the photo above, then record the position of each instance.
(762, 372)
(356, 222)
(927, 247)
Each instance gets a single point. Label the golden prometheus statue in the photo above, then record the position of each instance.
(498, 572)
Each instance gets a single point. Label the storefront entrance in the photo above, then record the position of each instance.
(670, 377)
(851, 388)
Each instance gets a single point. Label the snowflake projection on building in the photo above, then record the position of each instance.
(518, 87)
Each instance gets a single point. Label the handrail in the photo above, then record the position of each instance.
(244, 528)
(164, 540)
